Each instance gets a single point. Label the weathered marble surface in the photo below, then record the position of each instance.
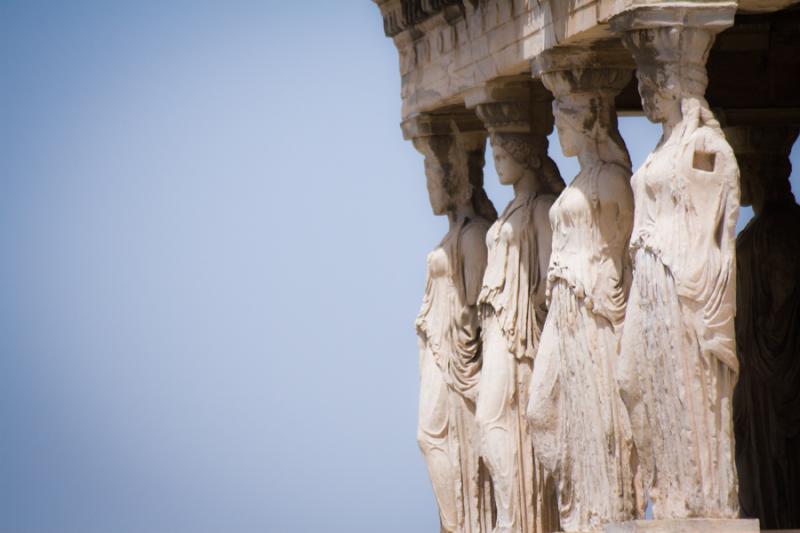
(767, 398)
(697, 525)
(678, 361)
(449, 330)
(580, 427)
(512, 302)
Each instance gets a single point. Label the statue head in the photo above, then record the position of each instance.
(585, 112)
(509, 169)
(671, 68)
(578, 121)
(446, 172)
(517, 155)
(762, 153)
(454, 173)
(518, 128)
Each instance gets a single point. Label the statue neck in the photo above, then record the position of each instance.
(589, 156)
(459, 213)
(528, 183)
(672, 122)
(776, 197)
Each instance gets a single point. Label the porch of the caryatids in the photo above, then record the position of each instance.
(678, 364)
(518, 115)
(580, 427)
(766, 402)
(448, 324)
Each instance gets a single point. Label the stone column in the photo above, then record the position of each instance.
(766, 407)
(678, 364)
(448, 325)
(580, 427)
(517, 113)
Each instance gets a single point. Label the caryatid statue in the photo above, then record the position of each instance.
(580, 427)
(766, 402)
(678, 365)
(517, 114)
(448, 325)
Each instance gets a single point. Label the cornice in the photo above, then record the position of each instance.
(402, 15)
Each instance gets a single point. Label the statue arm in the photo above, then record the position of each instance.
(616, 205)
(473, 257)
(710, 176)
(544, 233)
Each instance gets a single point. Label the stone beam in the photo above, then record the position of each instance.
(764, 6)
(449, 47)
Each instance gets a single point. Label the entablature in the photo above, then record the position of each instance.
(449, 48)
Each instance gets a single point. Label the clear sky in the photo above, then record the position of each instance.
(213, 241)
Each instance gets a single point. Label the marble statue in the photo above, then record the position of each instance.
(678, 365)
(766, 402)
(448, 328)
(579, 425)
(512, 302)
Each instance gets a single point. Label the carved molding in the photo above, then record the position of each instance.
(443, 123)
(713, 16)
(568, 70)
(603, 54)
(515, 104)
(401, 15)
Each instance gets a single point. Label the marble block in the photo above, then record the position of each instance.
(688, 525)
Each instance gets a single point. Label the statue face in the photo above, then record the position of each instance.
(759, 176)
(446, 173)
(508, 170)
(436, 173)
(659, 93)
(569, 129)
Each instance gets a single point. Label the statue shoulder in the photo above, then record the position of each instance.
(614, 172)
(615, 184)
(709, 175)
(541, 211)
(473, 234)
(709, 150)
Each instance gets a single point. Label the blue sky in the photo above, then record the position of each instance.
(213, 241)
